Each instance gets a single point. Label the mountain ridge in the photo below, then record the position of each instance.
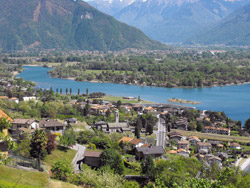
(65, 24)
(175, 21)
(233, 30)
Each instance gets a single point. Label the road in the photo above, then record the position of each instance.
(78, 157)
(161, 133)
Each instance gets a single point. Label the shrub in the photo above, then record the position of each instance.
(61, 170)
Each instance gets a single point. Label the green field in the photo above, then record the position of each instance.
(115, 99)
(11, 177)
(215, 136)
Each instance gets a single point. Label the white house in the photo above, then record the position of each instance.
(29, 98)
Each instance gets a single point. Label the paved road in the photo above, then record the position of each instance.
(161, 135)
(78, 157)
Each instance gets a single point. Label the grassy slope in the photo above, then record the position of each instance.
(11, 177)
(215, 136)
(60, 154)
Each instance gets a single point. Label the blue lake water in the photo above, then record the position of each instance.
(233, 100)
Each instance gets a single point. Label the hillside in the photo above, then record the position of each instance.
(174, 21)
(65, 24)
(233, 30)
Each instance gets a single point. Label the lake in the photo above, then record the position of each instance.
(233, 100)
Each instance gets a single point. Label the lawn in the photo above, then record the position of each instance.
(60, 154)
(11, 177)
(215, 136)
(115, 99)
(60, 184)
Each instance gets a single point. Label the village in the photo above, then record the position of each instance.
(93, 125)
(173, 117)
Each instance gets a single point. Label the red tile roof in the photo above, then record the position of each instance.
(4, 115)
(135, 141)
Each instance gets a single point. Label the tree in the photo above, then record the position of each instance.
(108, 113)
(200, 126)
(247, 125)
(23, 148)
(150, 122)
(138, 126)
(61, 91)
(56, 90)
(86, 110)
(66, 91)
(4, 124)
(38, 143)
(61, 170)
(70, 91)
(78, 91)
(118, 104)
(68, 138)
(51, 145)
(87, 91)
(109, 157)
(148, 167)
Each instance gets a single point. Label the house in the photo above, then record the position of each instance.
(224, 131)
(219, 146)
(136, 143)
(183, 152)
(215, 130)
(4, 97)
(14, 99)
(126, 108)
(181, 123)
(27, 123)
(19, 123)
(194, 140)
(234, 145)
(172, 152)
(144, 152)
(176, 136)
(214, 159)
(133, 141)
(222, 155)
(118, 127)
(92, 158)
(4, 115)
(129, 98)
(183, 144)
(52, 125)
(149, 110)
(71, 120)
(101, 125)
(204, 147)
(29, 98)
(125, 139)
(3, 145)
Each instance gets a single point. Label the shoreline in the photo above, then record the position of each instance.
(184, 87)
(142, 85)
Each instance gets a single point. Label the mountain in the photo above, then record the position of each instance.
(110, 6)
(65, 24)
(175, 21)
(233, 30)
